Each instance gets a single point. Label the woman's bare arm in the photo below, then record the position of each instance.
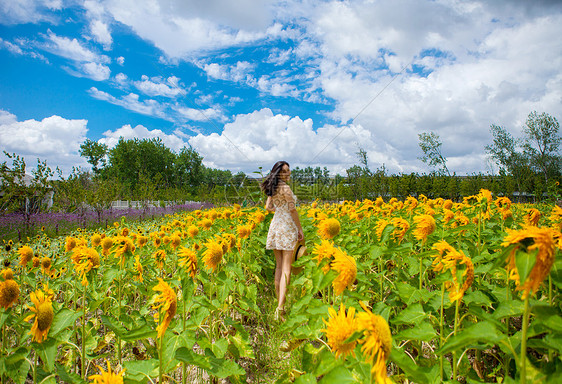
(269, 204)
(287, 196)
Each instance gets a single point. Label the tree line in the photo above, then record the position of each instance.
(146, 170)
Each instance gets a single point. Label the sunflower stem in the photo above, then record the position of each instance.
(523, 361)
(160, 349)
(550, 352)
(455, 333)
(441, 338)
(35, 367)
(119, 357)
(421, 267)
(83, 360)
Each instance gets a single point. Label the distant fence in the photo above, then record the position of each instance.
(127, 204)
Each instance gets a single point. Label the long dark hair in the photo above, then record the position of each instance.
(269, 185)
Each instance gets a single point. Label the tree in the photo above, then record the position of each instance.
(95, 153)
(189, 168)
(503, 149)
(542, 141)
(431, 147)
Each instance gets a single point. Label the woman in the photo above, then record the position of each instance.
(285, 228)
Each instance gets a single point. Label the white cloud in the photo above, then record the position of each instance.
(181, 28)
(262, 138)
(99, 28)
(120, 60)
(54, 139)
(111, 138)
(28, 11)
(96, 71)
(209, 114)
(69, 48)
(157, 86)
(101, 33)
(241, 72)
(132, 102)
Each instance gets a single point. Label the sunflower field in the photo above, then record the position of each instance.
(421, 290)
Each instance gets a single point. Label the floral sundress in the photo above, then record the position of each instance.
(283, 231)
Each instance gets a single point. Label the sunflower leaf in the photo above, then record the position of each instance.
(525, 261)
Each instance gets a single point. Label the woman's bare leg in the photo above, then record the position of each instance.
(278, 263)
(285, 277)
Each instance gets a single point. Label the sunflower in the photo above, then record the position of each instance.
(401, 226)
(532, 217)
(138, 268)
(230, 239)
(244, 231)
(339, 327)
(70, 244)
(9, 293)
(187, 259)
(43, 313)
(165, 303)
(192, 230)
(26, 254)
(324, 250)
(7, 273)
(108, 377)
(95, 239)
(213, 254)
(536, 241)
(46, 264)
(175, 240)
(160, 258)
(141, 241)
(503, 203)
(376, 342)
(347, 271)
(449, 259)
(125, 246)
(106, 245)
(329, 228)
(36, 262)
(85, 259)
(380, 226)
(205, 223)
(425, 225)
(411, 203)
(556, 217)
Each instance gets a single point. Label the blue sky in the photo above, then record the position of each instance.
(248, 83)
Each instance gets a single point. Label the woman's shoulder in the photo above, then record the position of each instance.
(283, 188)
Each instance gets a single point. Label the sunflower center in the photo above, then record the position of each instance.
(44, 315)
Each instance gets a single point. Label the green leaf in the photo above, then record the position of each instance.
(220, 368)
(413, 314)
(48, 352)
(338, 375)
(219, 347)
(477, 298)
(241, 341)
(548, 317)
(17, 366)
(307, 378)
(62, 320)
(482, 332)
(422, 332)
(68, 378)
(525, 261)
(422, 375)
(509, 308)
(138, 370)
(143, 332)
(408, 294)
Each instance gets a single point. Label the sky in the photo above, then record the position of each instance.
(247, 83)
